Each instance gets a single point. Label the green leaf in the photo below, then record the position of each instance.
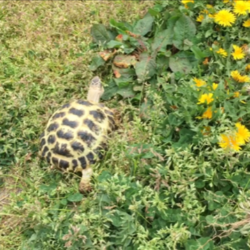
(183, 62)
(115, 219)
(63, 202)
(126, 92)
(123, 82)
(75, 197)
(47, 188)
(100, 34)
(184, 31)
(143, 26)
(204, 243)
(114, 44)
(173, 19)
(105, 175)
(186, 137)
(199, 54)
(162, 39)
(210, 219)
(121, 27)
(209, 33)
(110, 91)
(96, 62)
(145, 68)
(199, 183)
(172, 215)
(127, 73)
(162, 63)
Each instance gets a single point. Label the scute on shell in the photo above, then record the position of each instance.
(76, 135)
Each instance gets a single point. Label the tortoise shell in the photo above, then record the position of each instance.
(76, 135)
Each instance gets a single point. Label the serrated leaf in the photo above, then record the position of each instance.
(162, 39)
(199, 54)
(75, 197)
(172, 20)
(145, 68)
(143, 26)
(122, 27)
(96, 62)
(110, 90)
(184, 29)
(123, 82)
(114, 44)
(100, 34)
(183, 62)
(126, 92)
(162, 63)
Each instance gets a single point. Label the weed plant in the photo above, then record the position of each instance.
(176, 175)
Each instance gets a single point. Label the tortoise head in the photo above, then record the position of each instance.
(95, 90)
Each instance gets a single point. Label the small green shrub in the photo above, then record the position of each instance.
(168, 181)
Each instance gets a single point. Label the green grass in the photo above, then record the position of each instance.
(45, 58)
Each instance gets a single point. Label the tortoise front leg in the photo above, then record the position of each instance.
(85, 185)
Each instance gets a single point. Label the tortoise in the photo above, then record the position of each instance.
(76, 135)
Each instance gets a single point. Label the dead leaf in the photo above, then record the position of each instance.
(119, 37)
(124, 61)
(117, 74)
(106, 55)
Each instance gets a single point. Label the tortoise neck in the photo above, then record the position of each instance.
(94, 95)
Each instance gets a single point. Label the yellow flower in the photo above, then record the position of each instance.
(224, 18)
(205, 98)
(185, 2)
(225, 1)
(209, 6)
(200, 18)
(246, 23)
(248, 67)
(238, 77)
(242, 132)
(199, 82)
(238, 53)
(235, 74)
(241, 7)
(211, 15)
(222, 52)
(208, 113)
(215, 86)
(236, 94)
(230, 142)
(204, 11)
(244, 78)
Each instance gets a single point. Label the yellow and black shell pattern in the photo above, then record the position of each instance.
(76, 135)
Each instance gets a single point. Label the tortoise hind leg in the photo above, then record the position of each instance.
(85, 185)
